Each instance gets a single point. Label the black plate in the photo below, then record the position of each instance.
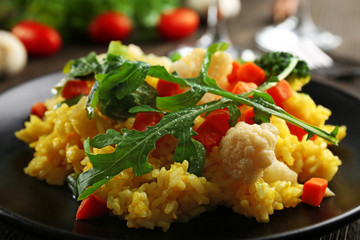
(51, 209)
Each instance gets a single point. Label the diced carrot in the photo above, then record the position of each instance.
(280, 92)
(211, 131)
(146, 119)
(232, 77)
(298, 131)
(74, 88)
(166, 89)
(249, 116)
(39, 109)
(243, 87)
(314, 190)
(250, 72)
(91, 207)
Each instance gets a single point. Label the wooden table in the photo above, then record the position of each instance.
(339, 17)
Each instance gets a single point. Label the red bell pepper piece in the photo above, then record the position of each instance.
(146, 119)
(215, 126)
(38, 109)
(249, 116)
(91, 207)
(299, 132)
(166, 89)
(74, 88)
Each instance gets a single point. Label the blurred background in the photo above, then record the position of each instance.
(80, 29)
(69, 29)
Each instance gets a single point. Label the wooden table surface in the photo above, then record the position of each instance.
(340, 17)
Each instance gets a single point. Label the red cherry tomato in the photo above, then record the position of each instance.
(110, 26)
(178, 23)
(39, 39)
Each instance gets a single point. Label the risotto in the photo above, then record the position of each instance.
(251, 166)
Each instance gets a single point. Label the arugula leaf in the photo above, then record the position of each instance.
(82, 67)
(235, 113)
(114, 93)
(179, 101)
(133, 147)
(144, 108)
(69, 102)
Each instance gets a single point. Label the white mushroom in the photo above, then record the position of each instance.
(13, 55)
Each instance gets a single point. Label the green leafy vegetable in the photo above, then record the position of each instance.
(82, 67)
(69, 102)
(72, 183)
(274, 63)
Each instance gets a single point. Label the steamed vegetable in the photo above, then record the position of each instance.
(132, 147)
(274, 63)
(314, 191)
(280, 92)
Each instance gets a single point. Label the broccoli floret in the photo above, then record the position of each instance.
(274, 63)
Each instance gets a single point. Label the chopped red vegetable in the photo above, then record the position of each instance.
(298, 131)
(314, 191)
(249, 116)
(243, 87)
(74, 88)
(215, 126)
(91, 207)
(146, 119)
(39, 109)
(166, 89)
(232, 77)
(280, 92)
(250, 72)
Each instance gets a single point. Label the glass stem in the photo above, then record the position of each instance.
(306, 23)
(216, 27)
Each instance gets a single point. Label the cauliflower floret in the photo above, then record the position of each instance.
(279, 171)
(190, 65)
(247, 152)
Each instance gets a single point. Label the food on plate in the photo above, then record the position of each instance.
(153, 141)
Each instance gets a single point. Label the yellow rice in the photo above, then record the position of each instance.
(169, 193)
